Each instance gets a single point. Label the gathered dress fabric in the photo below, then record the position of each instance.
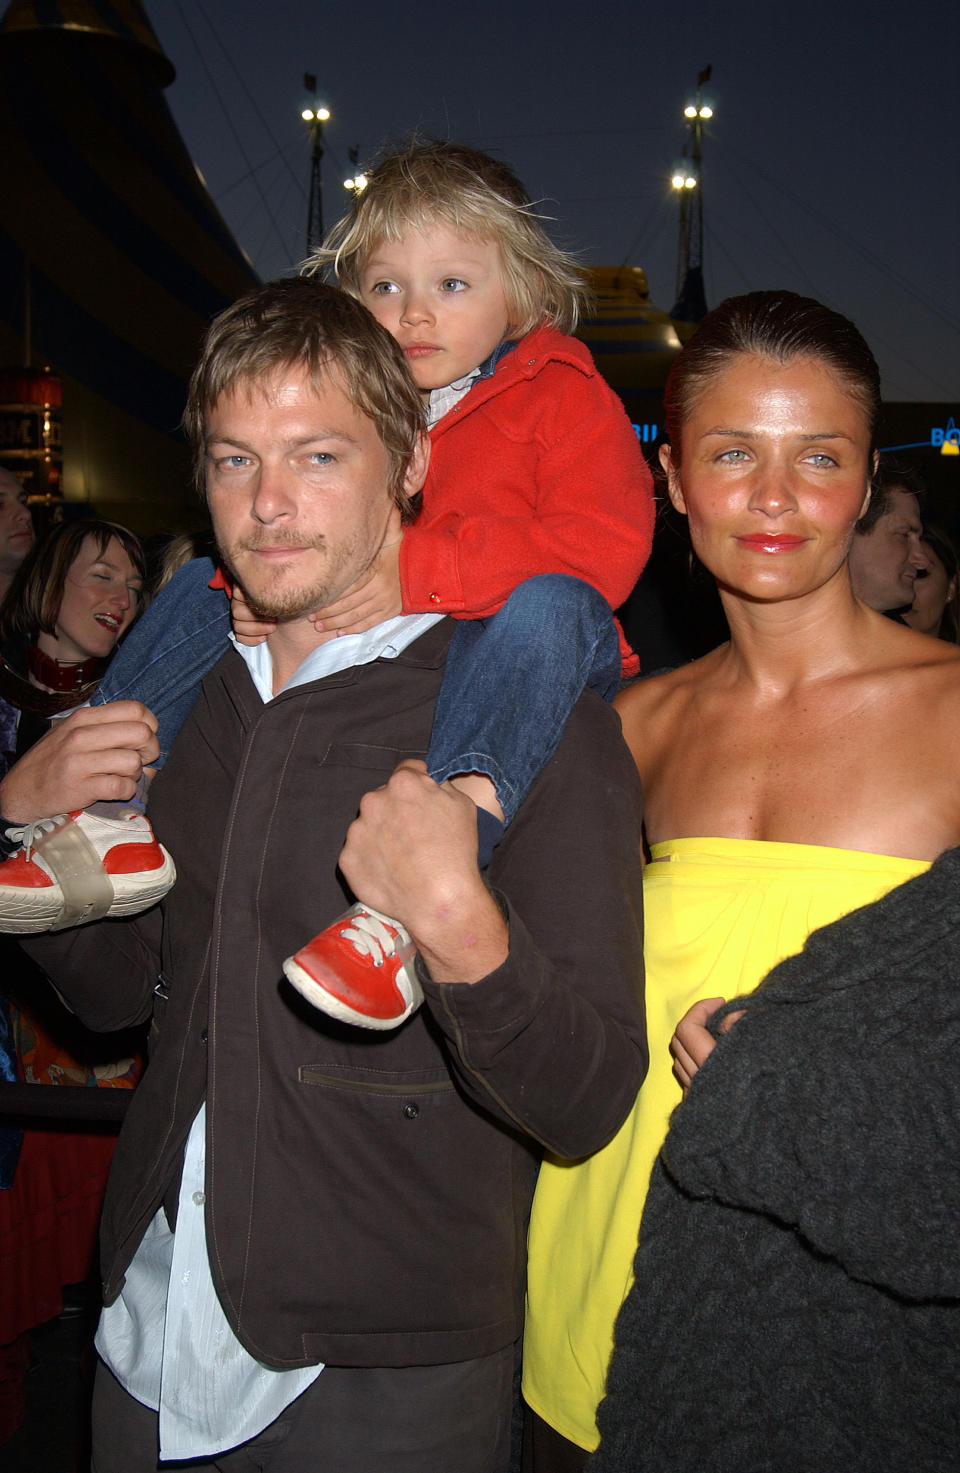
(719, 914)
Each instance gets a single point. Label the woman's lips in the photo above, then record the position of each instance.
(772, 541)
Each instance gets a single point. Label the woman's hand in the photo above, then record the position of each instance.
(692, 1042)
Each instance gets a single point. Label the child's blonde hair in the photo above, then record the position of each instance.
(477, 195)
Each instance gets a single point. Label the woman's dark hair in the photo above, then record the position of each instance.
(777, 325)
(943, 548)
(32, 605)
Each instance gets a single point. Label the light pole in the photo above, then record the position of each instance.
(691, 304)
(357, 182)
(315, 117)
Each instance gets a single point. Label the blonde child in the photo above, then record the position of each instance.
(537, 511)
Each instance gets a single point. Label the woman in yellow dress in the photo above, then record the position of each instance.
(784, 782)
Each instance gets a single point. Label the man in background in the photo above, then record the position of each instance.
(887, 553)
(16, 528)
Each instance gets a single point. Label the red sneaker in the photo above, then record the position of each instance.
(103, 860)
(359, 970)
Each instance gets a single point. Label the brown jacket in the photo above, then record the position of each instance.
(367, 1193)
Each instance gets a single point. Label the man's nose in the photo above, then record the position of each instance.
(919, 557)
(273, 497)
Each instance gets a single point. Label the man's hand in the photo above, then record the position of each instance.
(412, 854)
(97, 752)
(374, 597)
(692, 1042)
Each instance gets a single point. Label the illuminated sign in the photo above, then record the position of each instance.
(648, 433)
(946, 440)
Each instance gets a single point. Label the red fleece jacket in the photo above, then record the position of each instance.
(536, 470)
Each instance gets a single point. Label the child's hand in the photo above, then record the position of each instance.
(248, 629)
(374, 597)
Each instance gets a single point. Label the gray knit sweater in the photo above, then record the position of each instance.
(797, 1296)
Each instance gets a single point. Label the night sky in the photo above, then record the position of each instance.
(830, 166)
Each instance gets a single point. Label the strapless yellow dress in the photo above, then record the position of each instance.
(718, 914)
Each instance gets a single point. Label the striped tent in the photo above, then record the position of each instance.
(113, 257)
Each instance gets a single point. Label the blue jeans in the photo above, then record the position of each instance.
(175, 642)
(512, 680)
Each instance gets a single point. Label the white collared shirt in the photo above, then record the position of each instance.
(383, 642)
(442, 400)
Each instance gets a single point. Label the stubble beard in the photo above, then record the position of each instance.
(274, 598)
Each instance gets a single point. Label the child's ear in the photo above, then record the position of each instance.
(416, 472)
(673, 479)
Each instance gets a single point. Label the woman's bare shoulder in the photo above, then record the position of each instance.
(933, 662)
(652, 709)
(651, 692)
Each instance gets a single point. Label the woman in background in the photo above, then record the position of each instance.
(936, 596)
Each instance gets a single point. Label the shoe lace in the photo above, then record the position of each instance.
(371, 937)
(26, 835)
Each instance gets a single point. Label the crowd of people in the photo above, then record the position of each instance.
(511, 1019)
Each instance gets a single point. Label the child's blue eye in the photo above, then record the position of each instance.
(453, 284)
(383, 288)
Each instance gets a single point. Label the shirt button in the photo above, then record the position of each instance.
(411, 1111)
(199, 1198)
(434, 598)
